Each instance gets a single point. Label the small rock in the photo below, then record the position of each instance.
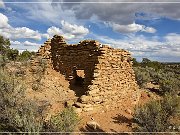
(78, 110)
(128, 111)
(88, 109)
(78, 105)
(134, 125)
(93, 125)
(69, 103)
(94, 91)
(84, 98)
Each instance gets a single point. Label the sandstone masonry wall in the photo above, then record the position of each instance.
(109, 77)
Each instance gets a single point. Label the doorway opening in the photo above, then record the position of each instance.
(79, 77)
(77, 83)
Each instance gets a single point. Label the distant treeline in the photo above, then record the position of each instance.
(7, 53)
(155, 64)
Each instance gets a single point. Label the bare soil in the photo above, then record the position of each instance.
(55, 90)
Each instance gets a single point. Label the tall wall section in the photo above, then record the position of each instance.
(109, 77)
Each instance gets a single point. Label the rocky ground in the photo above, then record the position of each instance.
(54, 91)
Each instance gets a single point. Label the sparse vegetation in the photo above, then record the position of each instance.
(143, 75)
(4, 45)
(26, 55)
(157, 116)
(168, 80)
(17, 113)
(12, 54)
(66, 121)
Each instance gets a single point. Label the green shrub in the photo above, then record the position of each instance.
(35, 85)
(12, 54)
(17, 113)
(169, 81)
(135, 63)
(4, 45)
(66, 121)
(143, 75)
(3, 61)
(156, 116)
(26, 55)
(153, 64)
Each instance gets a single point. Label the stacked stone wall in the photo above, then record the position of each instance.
(109, 77)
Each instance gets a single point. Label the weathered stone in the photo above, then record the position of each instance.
(69, 103)
(78, 110)
(128, 111)
(85, 98)
(94, 91)
(106, 73)
(88, 109)
(93, 125)
(79, 105)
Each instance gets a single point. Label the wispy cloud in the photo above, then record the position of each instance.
(123, 13)
(26, 45)
(131, 28)
(46, 13)
(141, 46)
(70, 31)
(10, 32)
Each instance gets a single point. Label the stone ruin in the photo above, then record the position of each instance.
(104, 74)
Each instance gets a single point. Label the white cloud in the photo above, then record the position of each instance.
(173, 37)
(51, 12)
(15, 43)
(27, 43)
(123, 13)
(15, 33)
(54, 31)
(69, 31)
(131, 28)
(119, 13)
(149, 30)
(20, 32)
(74, 29)
(141, 46)
(4, 21)
(2, 4)
(127, 28)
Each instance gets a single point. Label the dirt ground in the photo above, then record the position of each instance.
(54, 91)
(115, 120)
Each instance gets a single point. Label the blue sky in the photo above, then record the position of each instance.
(146, 29)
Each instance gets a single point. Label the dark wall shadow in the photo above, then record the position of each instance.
(77, 86)
(119, 119)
